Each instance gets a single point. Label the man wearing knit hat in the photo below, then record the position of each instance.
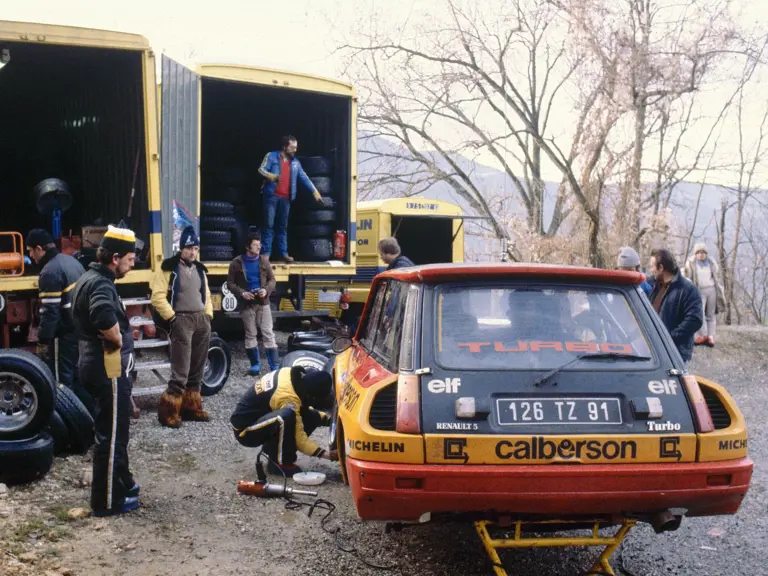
(704, 272)
(183, 308)
(106, 360)
(629, 260)
(57, 340)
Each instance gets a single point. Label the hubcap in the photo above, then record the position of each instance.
(18, 402)
(214, 367)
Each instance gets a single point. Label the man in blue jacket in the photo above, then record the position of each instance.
(676, 300)
(282, 171)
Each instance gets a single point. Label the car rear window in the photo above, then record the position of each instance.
(481, 327)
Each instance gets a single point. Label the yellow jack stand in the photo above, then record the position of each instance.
(602, 565)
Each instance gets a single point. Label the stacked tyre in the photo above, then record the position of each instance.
(313, 224)
(27, 401)
(217, 224)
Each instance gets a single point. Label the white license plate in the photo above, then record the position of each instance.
(553, 411)
(328, 297)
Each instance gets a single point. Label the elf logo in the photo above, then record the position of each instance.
(663, 387)
(447, 386)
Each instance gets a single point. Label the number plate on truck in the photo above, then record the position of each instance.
(549, 411)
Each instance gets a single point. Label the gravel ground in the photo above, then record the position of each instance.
(193, 522)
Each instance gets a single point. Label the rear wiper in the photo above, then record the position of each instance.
(595, 356)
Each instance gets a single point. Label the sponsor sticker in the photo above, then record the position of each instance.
(374, 446)
(669, 447)
(447, 386)
(663, 387)
(540, 448)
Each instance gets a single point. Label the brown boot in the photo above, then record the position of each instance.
(168, 410)
(192, 407)
(287, 259)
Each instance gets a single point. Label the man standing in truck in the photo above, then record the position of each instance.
(282, 171)
(389, 250)
(106, 360)
(182, 306)
(57, 340)
(251, 280)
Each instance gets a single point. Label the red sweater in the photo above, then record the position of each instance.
(283, 189)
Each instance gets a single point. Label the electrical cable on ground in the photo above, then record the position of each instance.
(291, 503)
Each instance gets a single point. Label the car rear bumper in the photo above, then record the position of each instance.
(561, 490)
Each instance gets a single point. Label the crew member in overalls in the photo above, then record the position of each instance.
(106, 360)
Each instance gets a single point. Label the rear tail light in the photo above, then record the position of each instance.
(700, 409)
(408, 405)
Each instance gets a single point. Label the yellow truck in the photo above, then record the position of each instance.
(77, 105)
(218, 123)
(428, 231)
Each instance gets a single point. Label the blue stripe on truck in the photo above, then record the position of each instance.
(155, 221)
(353, 231)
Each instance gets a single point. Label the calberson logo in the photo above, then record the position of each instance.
(539, 448)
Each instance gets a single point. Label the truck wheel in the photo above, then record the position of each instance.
(27, 394)
(316, 165)
(26, 460)
(217, 367)
(316, 217)
(313, 230)
(323, 185)
(208, 208)
(76, 417)
(314, 249)
(216, 253)
(217, 222)
(304, 358)
(208, 237)
(58, 431)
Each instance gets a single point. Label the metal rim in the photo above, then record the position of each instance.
(215, 367)
(18, 402)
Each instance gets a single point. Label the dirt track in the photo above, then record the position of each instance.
(193, 522)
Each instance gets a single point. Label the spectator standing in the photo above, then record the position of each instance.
(704, 272)
(629, 260)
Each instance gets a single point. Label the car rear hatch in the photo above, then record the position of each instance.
(525, 374)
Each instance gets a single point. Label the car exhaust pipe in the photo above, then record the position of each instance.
(665, 521)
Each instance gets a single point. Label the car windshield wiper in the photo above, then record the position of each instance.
(595, 356)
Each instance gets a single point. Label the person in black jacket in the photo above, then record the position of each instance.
(106, 360)
(676, 300)
(389, 250)
(57, 341)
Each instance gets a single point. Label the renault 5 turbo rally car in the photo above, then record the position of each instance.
(528, 390)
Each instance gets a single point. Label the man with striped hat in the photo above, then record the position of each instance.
(106, 360)
(56, 337)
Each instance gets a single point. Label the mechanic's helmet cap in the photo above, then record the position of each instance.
(310, 385)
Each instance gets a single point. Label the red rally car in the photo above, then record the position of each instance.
(528, 390)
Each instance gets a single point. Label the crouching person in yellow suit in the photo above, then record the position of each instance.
(277, 413)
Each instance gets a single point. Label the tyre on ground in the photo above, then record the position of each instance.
(76, 417)
(27, 459)
(58, 431)
(217, 366)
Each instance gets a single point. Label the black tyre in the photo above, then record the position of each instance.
(220, 237)
(316, 165)
(216, 253)
(58, 431)
(320, 346)
(307, 203)
(217, 222)
(217, 367)
(323, 185)
(231, 194)
(208, 208)
(78, 420)
(305, 358)
(313, 230)
(27, 394)
(314, 249)
(316, 217)
(26, 460)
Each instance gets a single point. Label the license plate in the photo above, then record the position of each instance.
(549, 411)
(328, 297)
(216, 301)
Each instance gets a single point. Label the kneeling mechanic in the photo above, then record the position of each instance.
(277, 413)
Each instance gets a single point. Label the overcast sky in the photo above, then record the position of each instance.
(296, 35)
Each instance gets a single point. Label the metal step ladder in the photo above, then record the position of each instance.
(143, 345)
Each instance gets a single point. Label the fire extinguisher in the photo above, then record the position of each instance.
(340, 244)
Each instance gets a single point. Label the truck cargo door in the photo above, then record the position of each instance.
(179, 145)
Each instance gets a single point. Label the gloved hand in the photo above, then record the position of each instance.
(41, 350)
(325, 419)
(316, 195)
(273, 177)
(332, 455)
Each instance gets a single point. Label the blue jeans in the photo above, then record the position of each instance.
(276, 212)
